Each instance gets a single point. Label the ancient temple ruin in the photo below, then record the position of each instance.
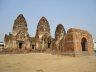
(43, 36)
(19, 38)
(74, 41)
(59, 36)
(78, 41)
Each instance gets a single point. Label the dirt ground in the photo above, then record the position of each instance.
(41, 62)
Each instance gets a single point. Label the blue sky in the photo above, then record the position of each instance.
(71, 13)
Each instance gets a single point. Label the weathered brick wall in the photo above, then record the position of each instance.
(68, 43)
(73, 39)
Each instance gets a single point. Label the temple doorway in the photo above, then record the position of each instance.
(33, 46)
(20, 45)
(84, 44)
(49, 45)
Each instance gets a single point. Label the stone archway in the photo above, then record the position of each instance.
(84, 44)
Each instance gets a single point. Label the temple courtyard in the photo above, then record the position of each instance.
(42, 62)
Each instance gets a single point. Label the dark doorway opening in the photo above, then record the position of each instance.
(49, 45)
(33, 46)
(20, 45)
(84, 44)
